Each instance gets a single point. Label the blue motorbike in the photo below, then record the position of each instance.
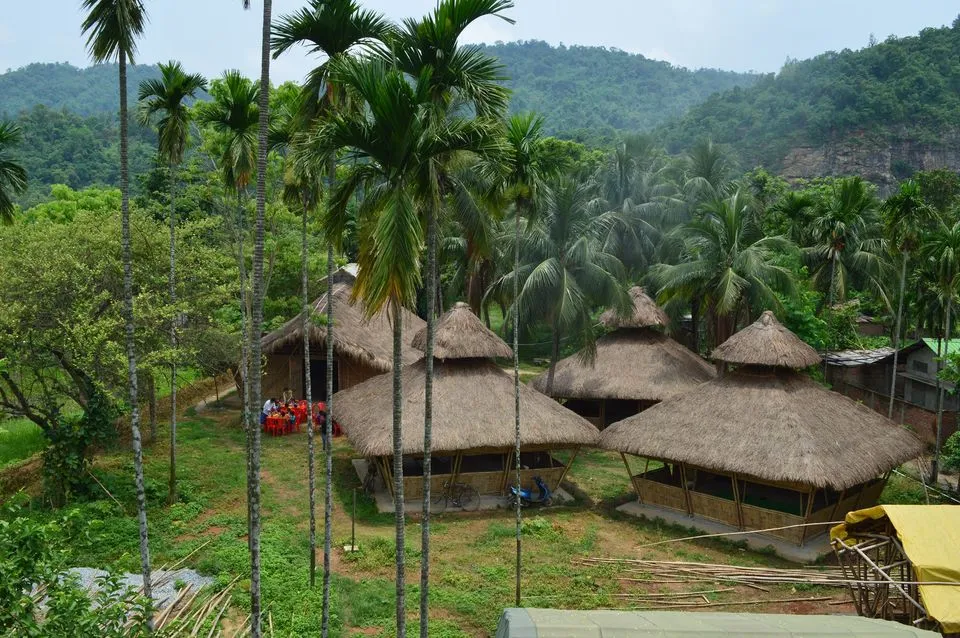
(543, 496)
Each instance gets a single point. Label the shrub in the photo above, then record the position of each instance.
(951, 452)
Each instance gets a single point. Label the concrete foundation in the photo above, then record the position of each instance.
(814, 547)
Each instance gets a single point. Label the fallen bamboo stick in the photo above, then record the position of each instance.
(736, 602)
(216, 620)
(678, 594)
(746, 531)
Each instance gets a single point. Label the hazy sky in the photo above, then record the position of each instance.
(211, 35)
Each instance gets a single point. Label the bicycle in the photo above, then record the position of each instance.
(461, 495)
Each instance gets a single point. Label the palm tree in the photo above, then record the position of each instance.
(941, 250)
(456, 76)
(565, 271)
(112, 28)
(845, 246)
(904, 215)
(165, 96)
(524, 183)
(393, 140)
(332, 29)
(13, 178)
(730, 265)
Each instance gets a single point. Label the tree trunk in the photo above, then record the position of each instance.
(896, 332)
(130, 337)
(428, 421)
(935, 464)
(398, 504)
(516, 384)
(246, 420)
(554, 356)
(833, 276)
(152, 405)
(308, 392)
(257, 318)
(328, 432)
(172, 490)
(695, 324)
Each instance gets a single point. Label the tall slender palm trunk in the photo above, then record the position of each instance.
(516, 384)
(398, 505)
(554, 355)
(328, 432)
(935, 464)
(896, 332)
(308, 392)
(172, 489)
(428, 423)
(257, 319)
(130, 337)
(248, 423)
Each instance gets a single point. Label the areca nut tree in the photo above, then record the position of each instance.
(165, 97)
(112, 28)
(905, 214)
(332, 29)
(392, 140)
(565, 271)
(13, 177)
(846, 246)
(730, 265)
(234, 116)
(458, 76)
(524, 185)
(941, 249)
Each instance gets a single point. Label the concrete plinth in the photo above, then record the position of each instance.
(384, 501)
(809, 552)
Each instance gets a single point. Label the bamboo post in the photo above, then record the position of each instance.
(569, 464)
(633, 481)
(686, 490)
(736, 498)
(883, 574)
(806, 517)
(506, 472)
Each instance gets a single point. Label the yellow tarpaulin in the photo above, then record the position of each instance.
(930, 535)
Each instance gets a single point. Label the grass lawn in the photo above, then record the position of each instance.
(472, 555)
(19, 439)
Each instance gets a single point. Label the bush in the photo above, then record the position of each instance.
(950, 454)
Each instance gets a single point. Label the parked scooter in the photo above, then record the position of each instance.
(543, 496)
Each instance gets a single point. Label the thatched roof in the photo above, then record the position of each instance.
(459, 334)
(646, 313)
(473, 407)
(766, 342)
(633, 364)
(774, 424)
(368, 341)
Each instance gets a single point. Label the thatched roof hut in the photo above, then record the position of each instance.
(766, 421)
(362, 345)
(473, 403)
(636, 362)
(473, 406)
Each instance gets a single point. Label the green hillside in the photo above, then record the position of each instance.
(83, 91)
(908, 88)
(594, 92)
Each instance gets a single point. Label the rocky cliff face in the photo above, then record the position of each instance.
(883, 161)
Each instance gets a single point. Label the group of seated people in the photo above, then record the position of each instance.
(295, 411)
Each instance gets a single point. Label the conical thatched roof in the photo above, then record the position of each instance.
(459, 334)
(776, 425)
(368, 341)
(646, 313)
(766, 342)
(473, 407)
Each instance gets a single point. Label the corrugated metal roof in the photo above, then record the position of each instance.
(852, 358)
(952, 346)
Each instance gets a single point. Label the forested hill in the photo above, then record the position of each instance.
(882, 112)
(82, 91)
(594, 92)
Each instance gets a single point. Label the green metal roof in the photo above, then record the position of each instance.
(557, 623)
(952, 346)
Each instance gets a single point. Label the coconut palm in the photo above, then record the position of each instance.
(845, 247)
(165, 97)
(524, 185)
(565, 271)
(457, 76)
(13, 178)
(112, 28)
(331, 29)
(730, 266)
(905, 213)
(941, 250)
(393, 140)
